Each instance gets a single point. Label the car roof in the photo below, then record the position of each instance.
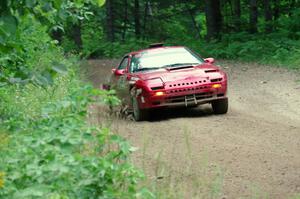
(151, 49)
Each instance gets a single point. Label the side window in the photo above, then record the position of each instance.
(133, 65)
(123, 64)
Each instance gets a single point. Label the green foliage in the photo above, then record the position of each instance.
(53, 152)
(178, 23)
(118, 49)
(21, 24)
(289, 25)
(92, 36)
(101, 2)
(22, 59)
(69, 45)
(47, 147)
(269, 49)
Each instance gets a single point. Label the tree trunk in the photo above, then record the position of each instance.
(3, 6)
(276, 11)
(253, 16)
(125, 19)
(292, 6)
(196, 27)
(213, 18)
(137, 23)
(110, 29)
(237, 14)
(268, 16)
(147, 18)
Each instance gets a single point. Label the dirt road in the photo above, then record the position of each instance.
(251, 152)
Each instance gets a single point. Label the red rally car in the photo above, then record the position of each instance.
(170, 76)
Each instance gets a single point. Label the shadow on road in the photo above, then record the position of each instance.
(172, 113)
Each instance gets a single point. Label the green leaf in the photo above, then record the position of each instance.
(57, 4)
(43, 80)
(47, 7)
(57, 167)
(2, 84)
(48, 77)
(30, 3)
(100, 2)
(8, 24)
(59, 68)
(13, 80)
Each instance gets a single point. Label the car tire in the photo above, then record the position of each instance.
(139, 114)
(220, 106)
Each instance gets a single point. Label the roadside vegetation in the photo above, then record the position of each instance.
(48, 149)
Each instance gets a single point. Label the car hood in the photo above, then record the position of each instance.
(202, 71)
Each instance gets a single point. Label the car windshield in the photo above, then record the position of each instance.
(163, 58)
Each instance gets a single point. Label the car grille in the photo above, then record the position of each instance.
(182, 98)
(190, 85)
(178, 90)
(193, 86)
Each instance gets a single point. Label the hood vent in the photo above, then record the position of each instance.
(156, 45)
(211, 71)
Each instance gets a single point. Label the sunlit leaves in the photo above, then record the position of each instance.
(1, 180)
(100, 2)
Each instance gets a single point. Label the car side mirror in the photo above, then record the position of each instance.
(209, 60)
(118, 72)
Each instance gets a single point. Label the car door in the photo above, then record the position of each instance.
(118, 72)
(120, 79)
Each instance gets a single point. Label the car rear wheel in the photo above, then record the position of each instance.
(138, 114)
(220, 106)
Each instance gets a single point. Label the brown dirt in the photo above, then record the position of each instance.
(253, 151)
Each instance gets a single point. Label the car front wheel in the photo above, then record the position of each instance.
(138, 114)
(220, 106)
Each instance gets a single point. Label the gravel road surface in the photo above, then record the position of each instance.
(251, 152)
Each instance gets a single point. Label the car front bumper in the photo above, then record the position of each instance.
(182, 97)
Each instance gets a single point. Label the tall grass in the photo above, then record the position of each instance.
(167, 180)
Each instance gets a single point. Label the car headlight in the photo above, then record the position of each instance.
(155, 83)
